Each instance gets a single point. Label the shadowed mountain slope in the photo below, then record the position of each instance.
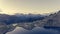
(10, 22)
(53, 21)
(10, 19)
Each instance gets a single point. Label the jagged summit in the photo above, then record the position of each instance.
(53, 20)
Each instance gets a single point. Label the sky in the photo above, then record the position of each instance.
(29, 6)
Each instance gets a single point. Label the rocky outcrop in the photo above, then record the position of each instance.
(53, 20)
(6, 28)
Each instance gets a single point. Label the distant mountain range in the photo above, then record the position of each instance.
(7, 22)
(53, 21)
(19, 18)
(28, 21)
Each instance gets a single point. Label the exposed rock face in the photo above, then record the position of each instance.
(3, 28)
(53, 20)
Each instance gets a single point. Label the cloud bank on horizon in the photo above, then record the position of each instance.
(29, 6)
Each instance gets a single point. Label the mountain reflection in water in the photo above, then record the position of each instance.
(36, 30)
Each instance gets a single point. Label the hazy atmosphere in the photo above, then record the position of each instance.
(29, 6)
(29, 16)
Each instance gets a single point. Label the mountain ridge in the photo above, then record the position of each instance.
(53, 20)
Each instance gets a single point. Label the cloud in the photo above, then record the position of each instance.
(1, 10)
